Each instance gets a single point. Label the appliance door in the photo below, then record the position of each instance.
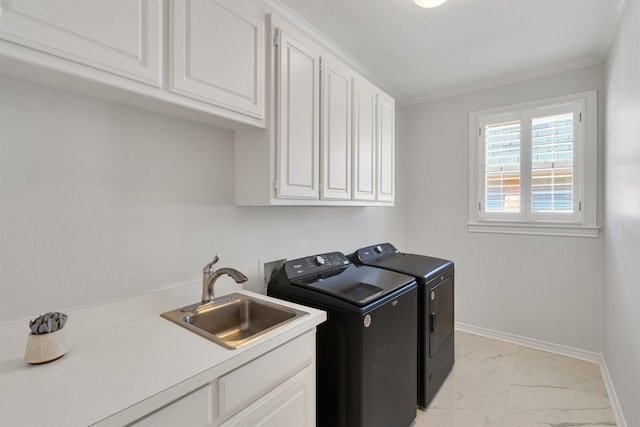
(389, 364)
(440, 314)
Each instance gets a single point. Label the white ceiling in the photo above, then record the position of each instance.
(418, 54)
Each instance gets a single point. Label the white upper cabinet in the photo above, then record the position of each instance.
(364, 140)
(336, 143)
(313, 137)
(373, 143)
(217, 50)
(385, 190)
(331, 140)
(298, 118)
(121, 37)
(212, 50)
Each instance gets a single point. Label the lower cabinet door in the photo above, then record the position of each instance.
(193, 409)
(292, 404)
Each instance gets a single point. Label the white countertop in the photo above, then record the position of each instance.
(107, 371)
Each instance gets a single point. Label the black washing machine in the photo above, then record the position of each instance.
(366, 350)
(435, 279)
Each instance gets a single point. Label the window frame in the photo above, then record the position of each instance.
(581, 223)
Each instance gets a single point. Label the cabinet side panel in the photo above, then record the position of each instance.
(253, 167)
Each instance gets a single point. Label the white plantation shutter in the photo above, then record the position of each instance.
(528, 164)
(533, 167)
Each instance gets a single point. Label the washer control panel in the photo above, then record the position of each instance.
(315, 265)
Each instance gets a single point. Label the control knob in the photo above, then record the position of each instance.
(378, 249)
(320, 260)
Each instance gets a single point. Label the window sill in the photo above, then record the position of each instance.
(534, 229)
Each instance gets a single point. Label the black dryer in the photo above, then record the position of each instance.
(435, 278)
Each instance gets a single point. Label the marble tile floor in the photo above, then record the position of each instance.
(494, 383)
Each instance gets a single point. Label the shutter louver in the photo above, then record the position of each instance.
(552, 164)
(502, 167)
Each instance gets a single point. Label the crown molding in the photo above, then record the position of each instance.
(284, 12)
(504, 80)
(612, 26)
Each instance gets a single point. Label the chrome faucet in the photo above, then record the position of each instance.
(209, 277)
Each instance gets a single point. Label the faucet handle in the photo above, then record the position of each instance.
(209, 267)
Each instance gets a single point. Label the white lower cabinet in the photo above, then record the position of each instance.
(274, 389)
(194, 409)
(290, 405)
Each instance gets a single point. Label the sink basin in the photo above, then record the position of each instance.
(233, 320)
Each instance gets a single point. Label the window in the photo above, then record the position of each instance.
(533, 168)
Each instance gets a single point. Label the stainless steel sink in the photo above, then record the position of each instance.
(233, 320)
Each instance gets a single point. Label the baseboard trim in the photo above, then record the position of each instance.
(611, 391)
(576, 353)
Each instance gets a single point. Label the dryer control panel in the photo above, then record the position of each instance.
(315, 265)
(371, 253)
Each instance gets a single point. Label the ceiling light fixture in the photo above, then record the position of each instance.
(429, 3)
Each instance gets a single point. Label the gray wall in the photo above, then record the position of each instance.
(539, 287)
(622, 219)
(101, 201)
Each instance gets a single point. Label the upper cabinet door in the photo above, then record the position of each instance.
(121, 37)
(298, 119)
(218, 53)
(336, 130)
(386, 148)
(364, 143)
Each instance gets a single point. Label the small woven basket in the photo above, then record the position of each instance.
(45, 348)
